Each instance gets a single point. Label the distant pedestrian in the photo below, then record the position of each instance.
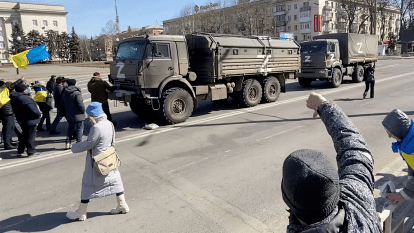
(369, 80)
(98, 89)
(401, 128)
(6, 117)
(72, 107)
(50, 86)
(57, 93)
(95, 185)
(44, 100)
(321, 198)
(28, 116)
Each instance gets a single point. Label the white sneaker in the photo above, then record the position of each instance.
(0, 158)
(68, 146)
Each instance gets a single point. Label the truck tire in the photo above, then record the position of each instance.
(337, 78)
(358, 75)
(251, 93)
(142, 110)
(177, 105)
(271, 89)
(304, 82)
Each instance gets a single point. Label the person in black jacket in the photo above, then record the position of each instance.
(7, 120)
(50, 86)
(44, 103)
(321, 198)
(28, 116)
(369, 80)
(57, 93)
(72, 107)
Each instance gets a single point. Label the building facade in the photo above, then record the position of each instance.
(303, 18)
(29, 17)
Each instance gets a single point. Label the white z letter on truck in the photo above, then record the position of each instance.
(359, 48)
(307, 58)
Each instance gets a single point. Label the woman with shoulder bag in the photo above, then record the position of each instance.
(101, 138)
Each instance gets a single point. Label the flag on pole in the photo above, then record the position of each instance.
(21, 60)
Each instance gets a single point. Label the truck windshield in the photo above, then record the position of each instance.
(313, 48)
(131, 50)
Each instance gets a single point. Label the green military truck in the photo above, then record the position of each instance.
(330, 57)
(167, 74)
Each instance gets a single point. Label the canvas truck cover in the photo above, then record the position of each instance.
(355, 47)
(219, 56)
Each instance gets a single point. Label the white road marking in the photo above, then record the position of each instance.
(179, 168)
(183, 125)
(408, 89)
(365, 104)
(258, 140)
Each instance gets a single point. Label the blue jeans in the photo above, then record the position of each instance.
(56, 121)
(78, 128)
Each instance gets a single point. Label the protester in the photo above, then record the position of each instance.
(50, 86)
(6, 117)
(369, 80)
(400, 127)
(72, 107)
(98, 87)
(95, 185)
(322, 199)
(44, 101)
(17, 128)
(57, 93)
(28, 116)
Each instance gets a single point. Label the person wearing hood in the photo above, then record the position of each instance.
(321, 198)
(400, 127)
(44, 100)
(6, 117)
(369, 80)
(57, 93)
(73, 109)
(98, 89)
(28, 116)
(94, 184)
(50, 86)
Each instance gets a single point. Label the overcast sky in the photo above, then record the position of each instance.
(89, 16)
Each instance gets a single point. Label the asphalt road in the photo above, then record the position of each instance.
(218, 172)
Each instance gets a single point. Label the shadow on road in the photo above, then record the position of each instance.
(347, 99)
(39, 223)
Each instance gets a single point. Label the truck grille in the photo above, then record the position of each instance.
(122, 82)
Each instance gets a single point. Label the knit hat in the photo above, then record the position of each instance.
(60, 79)
(310, 185)
(96, 74)
(94, 109)
(70, 82)
(397, 123)
(20, 87)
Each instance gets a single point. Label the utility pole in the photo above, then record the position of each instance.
(375, 18)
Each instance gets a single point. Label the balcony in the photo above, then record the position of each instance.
(282, 12)
(281, 29)
(304, 20)
(281, 23)
(306, 30)
(327, 8)
(305, 8)
(327, 18)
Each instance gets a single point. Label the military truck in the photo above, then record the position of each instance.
(167, 74)
(330, 57)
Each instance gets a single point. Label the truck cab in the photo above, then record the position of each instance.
(318, 60)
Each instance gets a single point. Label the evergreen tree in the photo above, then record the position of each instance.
(34, 39)
(63, 46)
(52, 42)
(18, 46)
(74, 47)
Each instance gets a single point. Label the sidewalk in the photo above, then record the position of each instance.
(393, 57)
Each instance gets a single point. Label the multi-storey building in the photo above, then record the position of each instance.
(304, 18)
(29, 17)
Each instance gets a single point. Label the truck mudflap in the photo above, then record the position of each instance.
(122, 95)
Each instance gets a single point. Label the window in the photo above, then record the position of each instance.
(34, 22)
(289, 28)
(44, 23)
(289, 18)
(304, 14)
(4, 55)
(289, 7)
(280, 18)
(296, 27)
(332, 4)
(295, 6)
(295, 17)
(55, 23)
(305, 26)
(1, 44)
(1, 33)
(1, 23)
(14, 22)
(160, 51)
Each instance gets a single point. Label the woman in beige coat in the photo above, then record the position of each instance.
(94, 185)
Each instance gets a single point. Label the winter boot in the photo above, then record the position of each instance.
(79, 214)
(122, 205)
(365, 95)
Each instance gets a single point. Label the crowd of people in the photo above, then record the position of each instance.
(24, 108)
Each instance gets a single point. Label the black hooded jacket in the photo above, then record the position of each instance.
(71, 104)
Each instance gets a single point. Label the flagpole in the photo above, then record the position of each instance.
(18, 39)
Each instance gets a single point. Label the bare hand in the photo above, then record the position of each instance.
(314, 101)
(394, 198)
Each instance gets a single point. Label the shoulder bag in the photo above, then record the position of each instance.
(107, 161)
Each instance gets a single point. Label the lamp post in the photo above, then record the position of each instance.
(18, 39)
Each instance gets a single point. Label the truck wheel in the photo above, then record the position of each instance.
(337, 78)
(142, 110)
(358, 75)
(271, 89)
(251, 93)
(304, 82)
(177, 105)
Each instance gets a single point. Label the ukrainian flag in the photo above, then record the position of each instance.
(36, 54)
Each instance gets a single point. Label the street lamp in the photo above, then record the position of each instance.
(18, 39)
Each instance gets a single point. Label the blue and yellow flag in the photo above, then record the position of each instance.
(21, 60)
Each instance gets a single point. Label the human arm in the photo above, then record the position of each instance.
(79, 101)
(90, 143)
